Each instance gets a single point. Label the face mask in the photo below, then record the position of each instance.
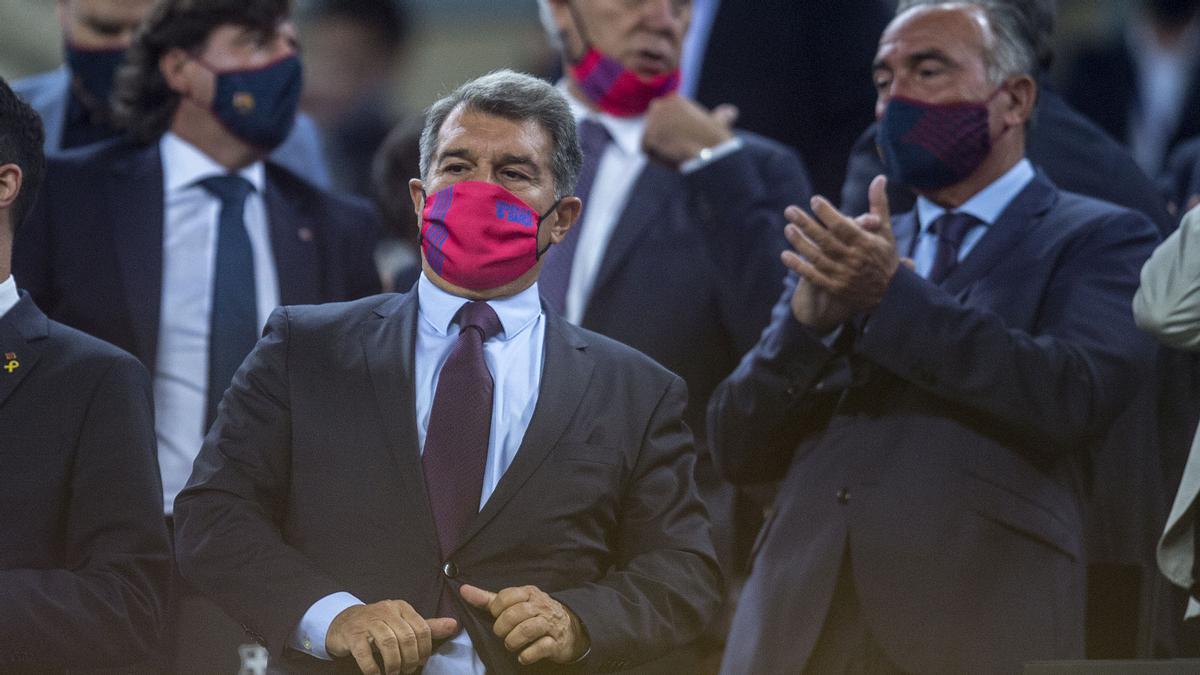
(928, 146)
(95, 70)
(479, 236)
(611, 86)
(258, 105)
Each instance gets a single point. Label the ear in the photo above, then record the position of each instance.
(174, 66)
(568, 212)
(417, 194)
(1022, 92)
(10, 185)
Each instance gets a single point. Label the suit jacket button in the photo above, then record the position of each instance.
(843, 496)
(450, 570)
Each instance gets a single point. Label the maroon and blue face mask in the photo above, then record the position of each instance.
(617, 90)
(928, 146)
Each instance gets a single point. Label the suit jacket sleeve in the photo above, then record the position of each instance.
(783, 390)
(105, 607)
(665, 586)
(1057, 384)
(739, 202)
(1167, 303)
(227, 521)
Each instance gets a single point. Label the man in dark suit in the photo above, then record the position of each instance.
(176, 242)
(929, 418)
(73, 99)
(683, 213)
(457, 456)
(1075, 153)
(84, 562)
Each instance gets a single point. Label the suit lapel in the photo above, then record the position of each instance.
(135, 203)
(904, 229)
(565, 377)
(293, 242)
(1009, 229)
(646, 202)
(20, 331)
(388, 340)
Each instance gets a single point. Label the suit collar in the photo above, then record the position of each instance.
(439, 309)
(21, 331)
(293, 219)
(134, 201)
(184, 165)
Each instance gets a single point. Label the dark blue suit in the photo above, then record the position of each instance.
(941, 442)
(90, 252)
(84, 563)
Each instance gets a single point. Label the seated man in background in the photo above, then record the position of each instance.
(386, 472)
(84, 561)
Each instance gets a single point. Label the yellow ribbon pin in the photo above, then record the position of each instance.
(13, 363)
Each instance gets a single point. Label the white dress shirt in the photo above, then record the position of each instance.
(619, 169)
(8, 295)
(986, 205)
(189, 257)
(514, 358)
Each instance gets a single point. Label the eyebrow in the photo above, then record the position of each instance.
(524, 160)
(461, 153)
(913, 59)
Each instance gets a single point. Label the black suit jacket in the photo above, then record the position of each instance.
(942, 442)
(84, 562)
(90, 252)
(799, 73)
(1076, 154)
(310, 482)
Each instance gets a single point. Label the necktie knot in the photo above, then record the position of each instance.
(480, 316)
(230, 189)
(952, 227)
(593, 136)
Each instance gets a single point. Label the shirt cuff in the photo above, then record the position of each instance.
(309, 636)
(709, 155)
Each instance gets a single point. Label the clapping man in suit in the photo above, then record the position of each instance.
(930, 419)
(176, 241)
(387, 472)
(74, 99)
(676, 251)
(84, 562)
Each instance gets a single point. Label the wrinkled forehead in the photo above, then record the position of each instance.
(487, 134)
(955, 28)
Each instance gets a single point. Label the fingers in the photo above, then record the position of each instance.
(879, 207)
(539, 650)
(397, 653)
(802, 267)
(843, 228)
(509, 597)
(533, 628)
(817, 233)
(809, 251)
(909, 263)
(422, 638)
(360, 649)
(476, 597)
(442, 628)
(726, 114)
(512, 617)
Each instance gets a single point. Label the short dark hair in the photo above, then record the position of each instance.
(21, 139)
(387, 20)
(143, 104)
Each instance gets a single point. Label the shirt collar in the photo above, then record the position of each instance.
(184, 164)
(439, 308)
(988, 203)
(8, 295)
(626, 132)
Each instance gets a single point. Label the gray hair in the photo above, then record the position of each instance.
(1018, 34)
(513, 96)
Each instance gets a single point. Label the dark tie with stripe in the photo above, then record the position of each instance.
(951, 228)
(233, 323)
(460, 422)
(556, 271)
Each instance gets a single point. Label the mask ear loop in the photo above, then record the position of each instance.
(583, 35)
(537, 255)
(421, 225)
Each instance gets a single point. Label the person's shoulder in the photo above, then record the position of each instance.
(1074, 212)
(97, 157)
(33, 87)
(85, 356)
(340, 317)
(293, 185)
(612, 356)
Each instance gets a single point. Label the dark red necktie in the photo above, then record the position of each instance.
(460, 422)
(951, 229)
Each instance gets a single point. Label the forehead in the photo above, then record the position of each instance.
(488, 134)
(954, 29)
(114, 11)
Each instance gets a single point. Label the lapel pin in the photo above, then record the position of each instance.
(305, 234)
(13, 363)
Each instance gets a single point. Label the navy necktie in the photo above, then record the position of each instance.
(460, 423)
(951, 228)
(556, 271)
(233, 323)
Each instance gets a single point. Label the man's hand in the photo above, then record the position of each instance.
(677, 129)
(853, 259)
(403, 638)
(531, 622)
